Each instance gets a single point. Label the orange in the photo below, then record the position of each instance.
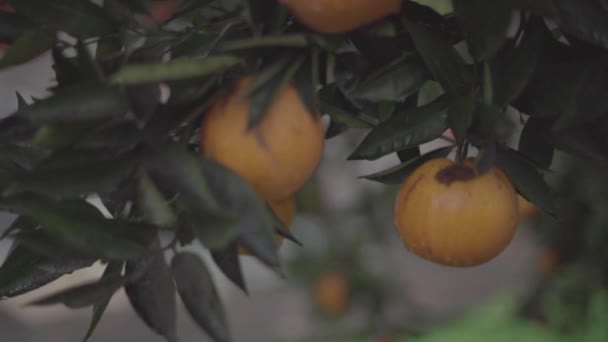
(549, 261)
(285, 211)
(331, 294)
(339, 16)
(447, 213)
(277, 156)
(161, 11)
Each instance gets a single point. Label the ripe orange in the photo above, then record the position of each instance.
(527, 210)
(338, 16)
(285, 211)
(448, 214)
(161, 11)
(331, 294)
(277, 156)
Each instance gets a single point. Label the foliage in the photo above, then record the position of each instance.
(105, 129)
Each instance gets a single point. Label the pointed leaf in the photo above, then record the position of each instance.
(485, 25)
(408, 154)
(238, 198)
(282, 41)
(534, 142)
(398, 174)
(214, 230)
(29, 45)
(152, 294)
(84, 295)
(24, 271)
(90, 234)
(447, 67)
(405, 130)
(179, 69)
(394, 82)
(513, 68)
(526, 179)
(13, 26)
(460, 116)
(153, 205)
(113, 269)
(228, 261)
(89, 69)
(197, 290)
(89, 102)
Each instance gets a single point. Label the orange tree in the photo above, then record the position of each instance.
(106, 129)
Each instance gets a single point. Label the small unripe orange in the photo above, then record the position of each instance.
(331, 294)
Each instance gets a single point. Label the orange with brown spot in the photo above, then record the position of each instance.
(447, 213)
(331, 294)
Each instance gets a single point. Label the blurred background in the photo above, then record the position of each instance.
(353, 280)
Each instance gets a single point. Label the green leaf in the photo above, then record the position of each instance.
(198, 293)
(239, 199)
(486, 157)
(404, 130)
(282, 41)
(84, 295)
(152, 294)
(89, 234)
(526, 179)
(266, 86)
(80, 19)
(535, 142)
(28, 46)
(175, 70)
(513, 68)
(442, 60)
(82, 103)
(227, 260)
(185, 177)
(153, 205)
(89, 69)
(306, 81)
(398, 174)
(394, 82)
(408, 154)
(545, 8)
(24, 271)
(586, 20)
(341, 112)
(21, 154)
(75, 179)
(460, 116)
(485, 25)
(113, 270)
(215, 230)
(13, 26)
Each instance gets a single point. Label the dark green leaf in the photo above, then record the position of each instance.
(526, 179)
(535, 143)
(544, 8)
(24, 271)
(89, 102)
(178, 69)
(113, 269)
(394, 82)
(81, 19)
(21, 154)
(270, 85)
(282, 41)
(29, 45)
(460, 116)
(486, 157)
(198, 293)
(227, 260)
(66, 71)
(447, 67)
(84, 295)
(398, 174)
(405, 130)
(341, 112)
(214, 230)
(152, 294)
(306, 81)
(408, 154)
(514, 66)
(13, 26)
(185, 176)
(239, 199)
(77, 228)
(485, 24)
(584, 19)
(153, 205)
(89, 70)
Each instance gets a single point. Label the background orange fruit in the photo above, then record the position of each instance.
(447, 214)
(279, 155)
(331, 294)
(338, 16)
